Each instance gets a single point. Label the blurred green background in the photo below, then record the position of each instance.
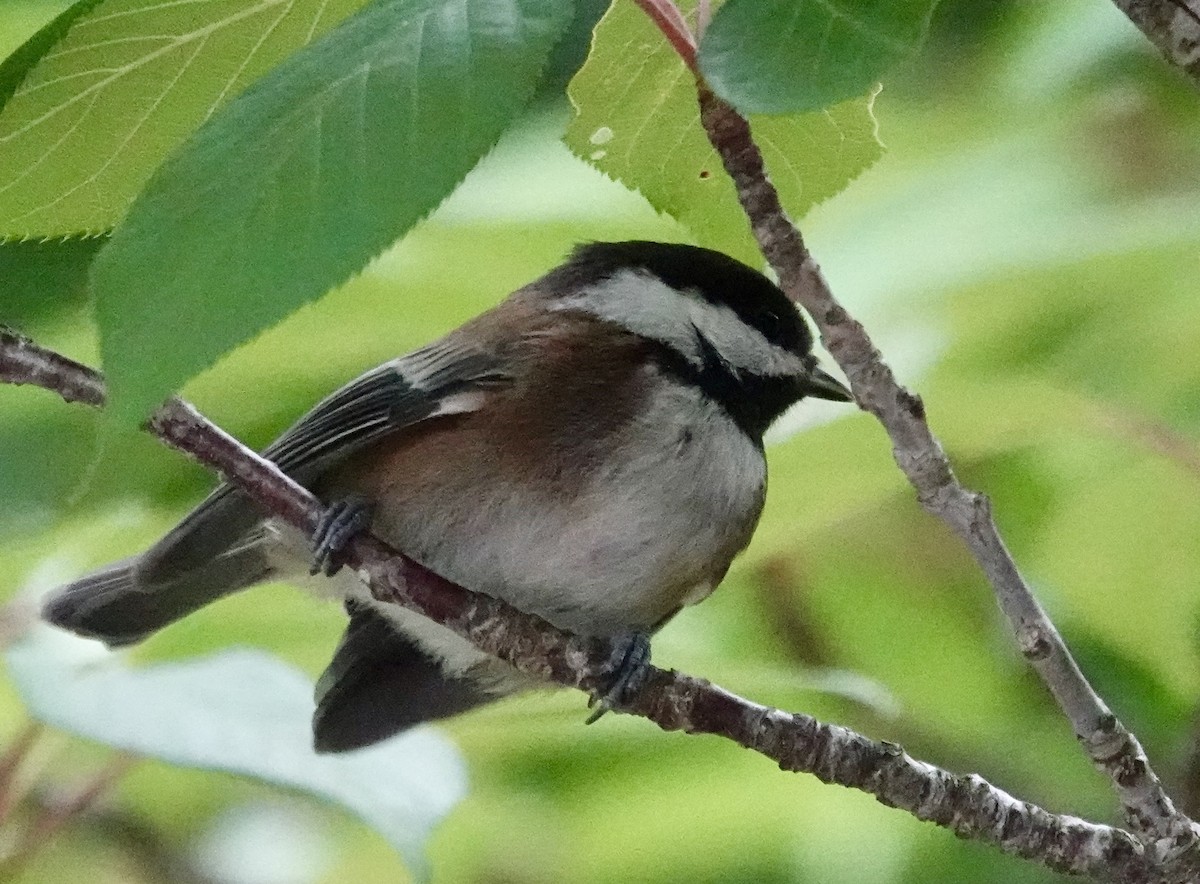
(1026, 255)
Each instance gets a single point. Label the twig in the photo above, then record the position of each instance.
(153, 852)
(58, 814)
(10, 764)
(23, 362)
(1155, 435)
(1171, 25)
(1169, 834)
(967, 805)
(781, 588)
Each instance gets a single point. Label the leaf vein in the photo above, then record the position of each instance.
(96, 173)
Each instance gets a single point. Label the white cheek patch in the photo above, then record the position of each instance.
(652, 309)
(642, 303)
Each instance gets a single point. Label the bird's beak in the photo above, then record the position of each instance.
(823, 386)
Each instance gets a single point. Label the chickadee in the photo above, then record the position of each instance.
(590, 451)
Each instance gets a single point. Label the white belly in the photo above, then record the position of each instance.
(644, 536)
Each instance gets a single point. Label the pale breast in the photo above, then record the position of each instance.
(599, 501)
(653, 524)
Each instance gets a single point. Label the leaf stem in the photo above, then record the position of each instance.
(670, 21)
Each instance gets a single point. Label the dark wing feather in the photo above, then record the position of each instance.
(388, 398)
(379, 684)
(391, 397)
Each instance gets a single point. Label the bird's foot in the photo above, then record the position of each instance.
(341, 520)
(623, 674)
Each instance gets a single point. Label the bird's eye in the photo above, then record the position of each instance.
(770, 323)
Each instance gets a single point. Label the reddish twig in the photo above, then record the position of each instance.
(670, 21)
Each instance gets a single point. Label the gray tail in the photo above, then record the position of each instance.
(121, 605)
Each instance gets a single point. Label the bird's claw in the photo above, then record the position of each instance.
(623, 674)
(341, 520)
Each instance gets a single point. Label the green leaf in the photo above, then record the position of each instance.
(299, 182)
(790, 56)
(16, 67)
(42, 278)
(242, 712)
(100, 96)
(637, 121)
(47, 452)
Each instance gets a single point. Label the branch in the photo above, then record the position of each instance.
(1171, 25)
(966, 805)
(23, 362)
(1169, 834)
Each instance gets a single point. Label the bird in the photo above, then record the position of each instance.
(589, 450)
